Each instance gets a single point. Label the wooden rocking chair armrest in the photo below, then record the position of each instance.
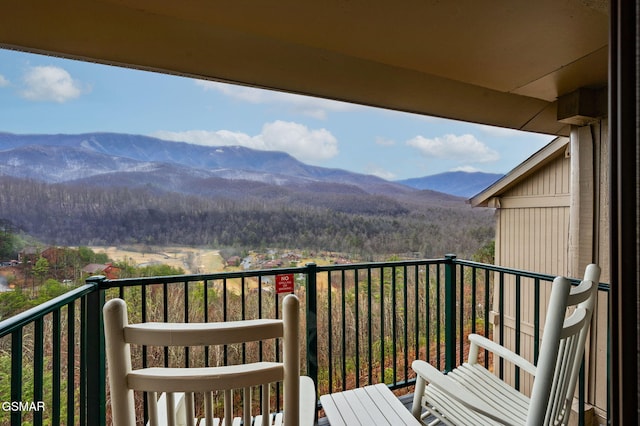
(454, 390)
(308, 401)
(502, 352)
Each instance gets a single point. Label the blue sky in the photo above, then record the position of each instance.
(43, 94)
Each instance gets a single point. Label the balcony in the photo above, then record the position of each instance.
(364, 324)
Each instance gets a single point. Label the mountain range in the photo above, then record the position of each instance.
(112, 189)
(112, 159)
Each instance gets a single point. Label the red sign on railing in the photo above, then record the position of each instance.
(284, 283)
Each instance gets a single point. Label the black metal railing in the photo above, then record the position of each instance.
(365, 323)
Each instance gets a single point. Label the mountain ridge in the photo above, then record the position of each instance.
(68, 157)
(97, 189)
(225, 160)
(462, 184)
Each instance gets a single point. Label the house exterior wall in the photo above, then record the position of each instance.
(555, 221)
(533, 221)
(531, 234)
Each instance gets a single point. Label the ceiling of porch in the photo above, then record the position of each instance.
(500, 62)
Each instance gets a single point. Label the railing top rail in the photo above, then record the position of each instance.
(20, 320)
(126, 282)
(511, 271)
(520, 272)
(374, 265)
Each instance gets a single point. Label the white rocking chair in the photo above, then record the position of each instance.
(472, 395)
(177, 386)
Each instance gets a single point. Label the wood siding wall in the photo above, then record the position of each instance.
(532, 233)
(533, 221)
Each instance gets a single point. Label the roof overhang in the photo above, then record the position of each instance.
(501, 63)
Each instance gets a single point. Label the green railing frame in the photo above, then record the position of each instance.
(92, 386)
(92, 363)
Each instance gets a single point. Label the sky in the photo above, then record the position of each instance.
(48, 95)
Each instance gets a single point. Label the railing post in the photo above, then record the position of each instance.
(312, 323)
(95, 365)
(449, 312)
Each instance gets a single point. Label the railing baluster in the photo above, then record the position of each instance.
(186, 319)
(225, 348)
(394, 326)
(16, 374)
(474, 306)
(83, 360)
(356, 304)
(370, 324)
(501, 315)
(243, 313)
(143, 316)
(536, 320)
(460, 324)
(344, 331)
(416, 310)
(427, 289)
(330, 331)
(38, 367)
(276, 314)
(165, 313)
(71, 368)
(205, 302)
(55, 372)
(382, 325)
(260, 344)
(487, 288)
(438, 320)
(581, 393)
(406, 325)
(517, 303)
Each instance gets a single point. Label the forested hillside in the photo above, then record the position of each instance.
(65, 214)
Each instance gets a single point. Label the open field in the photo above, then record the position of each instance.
(191, 260)
(197, 261)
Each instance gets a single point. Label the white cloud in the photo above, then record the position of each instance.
(299, 141)
(49, 83)
(464, 148)
(308, 145)
(374, 169)
(3, 81)
(305, 105)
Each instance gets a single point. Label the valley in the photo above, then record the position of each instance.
(119, 190)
